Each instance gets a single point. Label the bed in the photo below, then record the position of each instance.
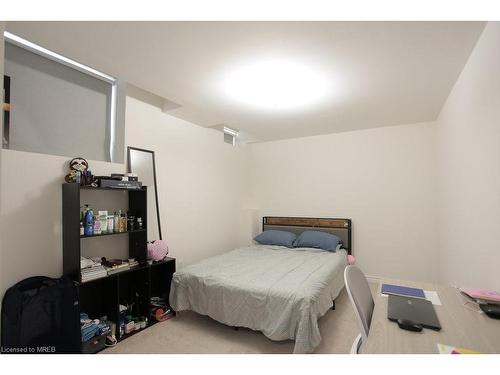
(279, 291)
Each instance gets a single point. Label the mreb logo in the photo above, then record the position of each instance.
(46, 349)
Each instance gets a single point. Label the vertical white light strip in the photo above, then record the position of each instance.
(112, 123)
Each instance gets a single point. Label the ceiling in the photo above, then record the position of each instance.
(377, 73)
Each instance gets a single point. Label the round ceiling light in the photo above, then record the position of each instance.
(276, 85)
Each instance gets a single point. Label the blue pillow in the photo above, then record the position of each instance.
(276, 237)
(317, 240)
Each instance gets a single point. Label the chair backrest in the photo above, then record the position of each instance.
(361, 298)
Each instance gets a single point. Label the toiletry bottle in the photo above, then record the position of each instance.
(82, 230)
(83, 211)
(89, 223)
(103, 217)
(120, 228)
(116, 222)
(124, 221)
(97, 225)
(118, 219)
(111, 222)
(130, 222)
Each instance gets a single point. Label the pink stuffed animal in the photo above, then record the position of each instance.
(157, 250)
(351, 260)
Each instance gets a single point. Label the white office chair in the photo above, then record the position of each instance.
(361, 298)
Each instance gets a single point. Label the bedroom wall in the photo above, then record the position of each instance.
(30, 220)
(468, 131)
(200, 180)
(383, 179)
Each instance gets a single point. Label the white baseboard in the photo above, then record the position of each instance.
(373, 279)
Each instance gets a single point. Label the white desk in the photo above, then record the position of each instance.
(460, 326)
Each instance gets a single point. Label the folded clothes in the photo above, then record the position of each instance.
(92, 327)
(103, 328)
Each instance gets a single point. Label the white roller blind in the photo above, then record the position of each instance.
(58, 110)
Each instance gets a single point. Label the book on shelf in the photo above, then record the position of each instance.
(92, 269)
(93, 277)
(85, 279)
(117, 268)
(94, 272)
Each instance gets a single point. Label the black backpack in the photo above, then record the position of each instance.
(40, 315)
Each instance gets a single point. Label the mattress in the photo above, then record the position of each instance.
(279, 291)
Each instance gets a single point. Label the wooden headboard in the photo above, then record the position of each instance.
(297, 225)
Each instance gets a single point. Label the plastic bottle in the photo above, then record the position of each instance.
(111, 223)
(89, 223)
(97, 225)
(130, 222)
(103, 218)
(123, 222)
(83, 211)
(120, 224)
(116, 224)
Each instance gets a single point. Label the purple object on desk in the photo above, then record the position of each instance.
(402, 291)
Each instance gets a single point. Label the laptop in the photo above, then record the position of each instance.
(417, 310)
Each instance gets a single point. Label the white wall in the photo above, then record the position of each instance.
(200, 182)
(30, 220)
(469, 169)
(383, 179)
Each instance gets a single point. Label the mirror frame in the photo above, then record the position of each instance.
(129, 170)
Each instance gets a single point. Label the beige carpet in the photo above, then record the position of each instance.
(189, 332)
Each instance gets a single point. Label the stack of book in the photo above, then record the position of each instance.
(94, 272)
(132, 263)
(117, 268)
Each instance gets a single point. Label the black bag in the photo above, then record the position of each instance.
(40, 315)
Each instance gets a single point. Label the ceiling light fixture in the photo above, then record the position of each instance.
(276, 85)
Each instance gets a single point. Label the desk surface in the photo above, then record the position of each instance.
(460, 326)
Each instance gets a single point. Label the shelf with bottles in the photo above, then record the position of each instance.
(102, 224)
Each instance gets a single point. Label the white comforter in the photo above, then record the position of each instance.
(279, 291)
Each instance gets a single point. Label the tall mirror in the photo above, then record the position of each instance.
(142, 162)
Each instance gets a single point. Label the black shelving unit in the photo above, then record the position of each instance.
(103, 296)
(114, 233)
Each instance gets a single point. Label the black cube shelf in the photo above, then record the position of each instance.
(102, 297)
